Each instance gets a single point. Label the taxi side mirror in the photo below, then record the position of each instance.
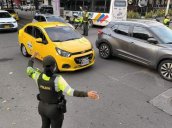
(39, 40)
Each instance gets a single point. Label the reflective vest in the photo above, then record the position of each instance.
(85, 16)
(46, 87)
(166, 22)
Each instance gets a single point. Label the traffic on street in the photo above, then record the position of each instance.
(115, 75)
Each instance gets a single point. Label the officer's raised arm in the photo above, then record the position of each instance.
(61, 84)
(31, 72)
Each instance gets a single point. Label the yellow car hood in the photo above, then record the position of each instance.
(73, 46)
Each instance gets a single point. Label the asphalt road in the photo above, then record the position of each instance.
(125, 90)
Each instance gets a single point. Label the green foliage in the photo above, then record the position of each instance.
(133, 15)
(160, 12)
(150, 14)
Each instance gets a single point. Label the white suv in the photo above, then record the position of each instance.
(7, 22)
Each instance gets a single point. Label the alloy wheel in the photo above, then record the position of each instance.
(165, 69)
(104, 51)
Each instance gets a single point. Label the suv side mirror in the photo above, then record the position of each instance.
(152, 40)
(39, 40)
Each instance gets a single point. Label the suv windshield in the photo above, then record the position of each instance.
(11, 11)
(5, 15)
(163, 33)
(55, 18)
(60, 34)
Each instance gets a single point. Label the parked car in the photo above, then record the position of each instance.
(49, 18)
(7, 22)
(44, 9)
(13, 13)
(143, 41)
(68, 48)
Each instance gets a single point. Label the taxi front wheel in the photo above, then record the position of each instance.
(24, 51)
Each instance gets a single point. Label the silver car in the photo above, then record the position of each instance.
(50, 18)
(143, 41)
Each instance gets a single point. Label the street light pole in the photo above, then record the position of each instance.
(168, 4)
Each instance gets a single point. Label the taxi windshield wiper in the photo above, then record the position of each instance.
(57, 41)
(71, 39)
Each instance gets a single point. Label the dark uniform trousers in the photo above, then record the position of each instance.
(50, 114)
(85, 28)
(49, 107)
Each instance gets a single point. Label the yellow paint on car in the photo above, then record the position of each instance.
(79, 48)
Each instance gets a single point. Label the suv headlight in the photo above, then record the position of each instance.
(15, 22)
(63, 53)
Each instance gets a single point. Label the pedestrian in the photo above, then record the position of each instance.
(167, 20)
(52, 103)
(85, 15)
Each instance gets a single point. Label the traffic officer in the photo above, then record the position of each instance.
(166, 20)
(52, 104)
(85, 16)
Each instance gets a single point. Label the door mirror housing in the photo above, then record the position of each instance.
(152, 40)
(39, 40)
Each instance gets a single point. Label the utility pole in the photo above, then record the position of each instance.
(168, 4)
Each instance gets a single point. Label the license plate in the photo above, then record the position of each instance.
(85, 61)
(6, 26)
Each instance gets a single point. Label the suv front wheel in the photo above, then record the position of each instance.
(165, 69)
(104, 51)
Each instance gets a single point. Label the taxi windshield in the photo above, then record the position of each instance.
(60, 34)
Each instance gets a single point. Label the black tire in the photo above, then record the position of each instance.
(165, 69)
(104, 51)
(24, 51)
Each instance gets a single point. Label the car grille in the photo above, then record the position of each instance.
(3, 25)
(78, 60)
(82, 52)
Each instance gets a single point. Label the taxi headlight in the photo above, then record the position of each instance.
(63, 53)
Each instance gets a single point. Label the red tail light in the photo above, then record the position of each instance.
(100, 32)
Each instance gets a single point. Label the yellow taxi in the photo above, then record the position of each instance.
(13, 13)
(66, 46)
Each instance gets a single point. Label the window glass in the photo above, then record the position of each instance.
(66, 4)
(28, 30)
(5, 15)
(122, 29)
(119, 3)
(114, 27)
(36, 18)
(79, 3)
(38, 34)
(42, 19)
(141, 33)
(163, 32)
(87, 3)
(101, 6)
(60, 34)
